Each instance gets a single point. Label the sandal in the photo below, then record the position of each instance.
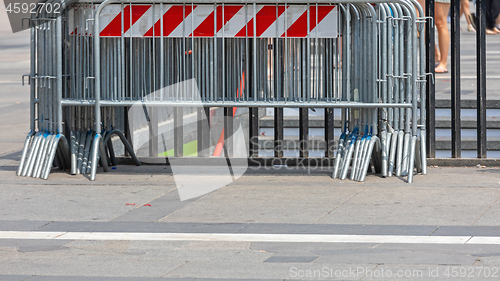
(490, 32)
(440, 70)
(473, 20)
(471, 29)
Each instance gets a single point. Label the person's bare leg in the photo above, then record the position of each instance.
(497, 22)
(422, 3)
(464, 9)
(437, 54)
(440, 14)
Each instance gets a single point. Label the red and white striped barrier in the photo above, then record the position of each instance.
(271, 21)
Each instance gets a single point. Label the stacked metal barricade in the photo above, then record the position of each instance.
(364, 57)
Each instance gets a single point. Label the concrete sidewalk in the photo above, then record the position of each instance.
(444, 197)
(447, 202)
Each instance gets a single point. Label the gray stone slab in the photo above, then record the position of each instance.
(72, 202)
(248, 211)
(467, 231)
(284, 228)
(478, 251)
(41, 248)
(275, 190)
(222, 253)
(12, 156)
(14, 277)
(141, 249)
(391, 256)
(425, 196)
(287, 248)
(101, 278)
(467, 143)
(160, 208)
(490, 217)
(223, 279)
(304, 249)
(467, 123)
(91, 264)
(144, 227)
(252, 270)
(404, 214)
(31, 245)
(21, 225)
(292, 259)
(493, 261)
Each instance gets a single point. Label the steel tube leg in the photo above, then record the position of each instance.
(25, 152)
(412, 159)
(94, 156)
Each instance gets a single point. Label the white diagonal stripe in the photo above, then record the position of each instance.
(108, 13)
(238, 21)
(143, 24)
(193, 20)
(328, 27)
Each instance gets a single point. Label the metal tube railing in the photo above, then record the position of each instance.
(290, 65)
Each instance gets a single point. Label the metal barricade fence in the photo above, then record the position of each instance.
(364, 57)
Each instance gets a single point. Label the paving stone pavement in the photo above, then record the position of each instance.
(448, 202)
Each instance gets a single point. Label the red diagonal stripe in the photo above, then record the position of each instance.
(229, 12)
(299, 27)
(323, 11)
(171, 20)
(265, 17)
(115, 26)
(206, 28)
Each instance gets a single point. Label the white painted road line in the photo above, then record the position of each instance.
(314, 238)
(484, 240)
(229, 237)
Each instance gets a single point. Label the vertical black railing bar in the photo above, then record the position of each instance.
(228, 131)
(153, 132)
(481, 78)
(128, 127)
(456, 145)
(199, 131)
(303, 132)
(254, 131)
(203, 131)
(278, 132)
(206, 132)
(329, 127)
(178, 132)
(431, 90)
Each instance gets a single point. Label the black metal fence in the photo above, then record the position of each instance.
(455, 80)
